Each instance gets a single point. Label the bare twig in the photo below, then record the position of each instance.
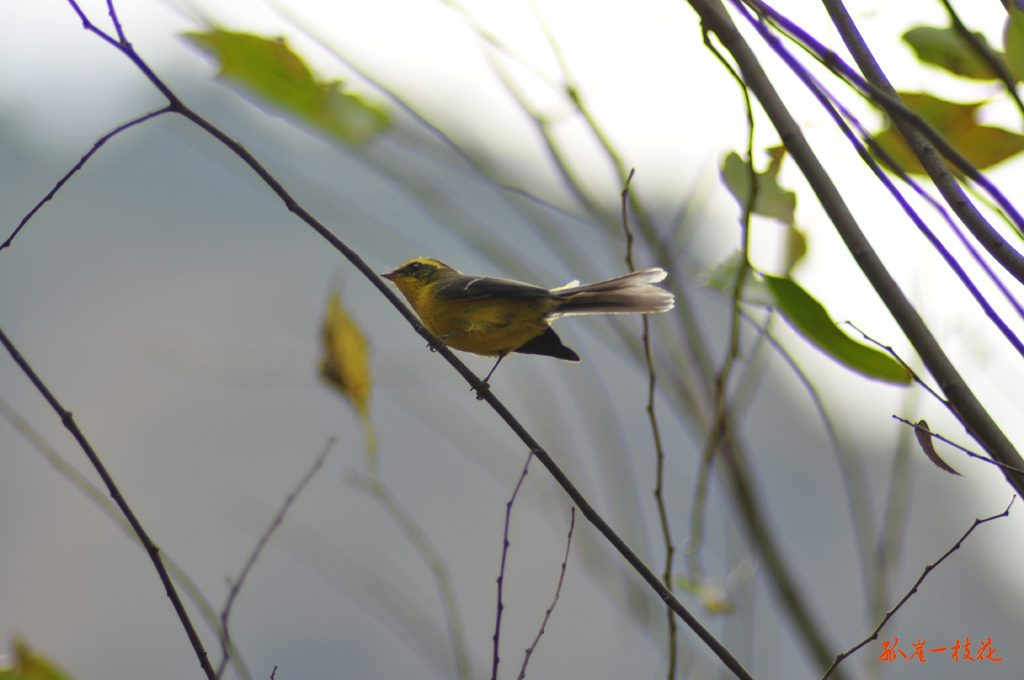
(154, 552)
(481, 388)
(892, 352)
(501, 570)
(924, 574)
(78, 166)
(972, 454)
(659, 451)
(236, 586)
(554, 601)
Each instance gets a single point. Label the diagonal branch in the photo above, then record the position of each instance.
(945, 181)
(839, 114)
(554, 601)
(482, 389)
(927, 570)
(78, 166)
(895, 108)
(236, 586)
(968, 408)
(154, 552)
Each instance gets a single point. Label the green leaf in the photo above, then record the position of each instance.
(723, 277)
(1013, 41)
(269, 71)
(810, 319)
(982, 145)
(949, 50)
(772, 200)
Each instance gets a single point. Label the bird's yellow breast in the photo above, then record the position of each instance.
(493, 326)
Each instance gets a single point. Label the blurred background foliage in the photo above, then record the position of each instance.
(783, 486)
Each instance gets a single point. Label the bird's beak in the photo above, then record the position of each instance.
(390, 276)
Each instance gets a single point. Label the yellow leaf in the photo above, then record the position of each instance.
(982, 145)
(346, 364)
(31, 666)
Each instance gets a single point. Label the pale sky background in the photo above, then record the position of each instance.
(173, 305)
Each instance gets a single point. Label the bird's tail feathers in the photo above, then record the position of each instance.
(631, 293)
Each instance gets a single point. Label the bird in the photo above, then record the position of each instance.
(495, 317)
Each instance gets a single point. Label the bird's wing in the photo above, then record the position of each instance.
(475, 287)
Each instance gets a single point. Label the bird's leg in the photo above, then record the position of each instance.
(487, 386)
(494, 368)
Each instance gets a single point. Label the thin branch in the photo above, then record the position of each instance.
(719, 424)
(924, 195)
(973, 414)
(501, 570)
(917, 427)
(236, 586)
(830, 105)
(154, 552)
(78, 166)
(117, 23)
(554, 601)
(475, 383)
(659, 450)
(945, 181)
(985, 52)
(927, 570)
(895, 108)
(102, 500)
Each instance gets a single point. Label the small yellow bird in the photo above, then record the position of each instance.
(495, 317)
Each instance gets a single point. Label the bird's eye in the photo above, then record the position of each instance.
(414, 267)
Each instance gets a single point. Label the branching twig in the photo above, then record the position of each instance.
(154, 552)
(554, 601)
(927, 570)
(501, 570)
(482, 389)
(913, 374)
(236, 586)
